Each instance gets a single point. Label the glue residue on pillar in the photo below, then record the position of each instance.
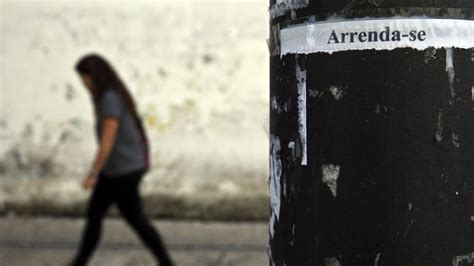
(275, 105)
(330, 174)
(301, 84)
(472, 93)
(450, 71)
(283, 6)
(273, 220)
(315, 93)
(332, 261)
(455, 140)
(336, 92)
(377, 258)
(275, 176)
(439, 126)
(292, 148)
(463, 259)
(377, 108)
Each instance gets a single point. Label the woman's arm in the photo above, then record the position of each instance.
(109, 132)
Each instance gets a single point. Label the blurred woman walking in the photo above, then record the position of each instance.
(120, 163)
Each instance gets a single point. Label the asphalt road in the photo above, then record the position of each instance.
(53, 241)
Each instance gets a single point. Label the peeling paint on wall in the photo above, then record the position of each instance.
(206, 110)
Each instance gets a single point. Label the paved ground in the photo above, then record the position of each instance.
(52, 241)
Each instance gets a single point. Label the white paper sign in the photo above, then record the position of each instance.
(378, 34)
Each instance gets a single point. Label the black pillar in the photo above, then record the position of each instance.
(371, 151)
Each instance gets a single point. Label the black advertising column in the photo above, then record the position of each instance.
(371, 132)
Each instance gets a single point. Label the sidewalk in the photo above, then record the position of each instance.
(52, 241)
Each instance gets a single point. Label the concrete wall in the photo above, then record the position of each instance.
(198, 71)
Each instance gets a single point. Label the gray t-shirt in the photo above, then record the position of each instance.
(127, 153)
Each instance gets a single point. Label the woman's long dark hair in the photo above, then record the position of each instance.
(105, 78)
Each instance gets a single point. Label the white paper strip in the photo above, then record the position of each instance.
(378, 34)
(301, 84)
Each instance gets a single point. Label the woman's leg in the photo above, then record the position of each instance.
(98, 205)
(130, 206)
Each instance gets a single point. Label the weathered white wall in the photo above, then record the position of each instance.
(198, 71)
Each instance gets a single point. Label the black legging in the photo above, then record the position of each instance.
(124, 191)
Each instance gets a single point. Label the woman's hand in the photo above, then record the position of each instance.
(89, 182)
(109, 133)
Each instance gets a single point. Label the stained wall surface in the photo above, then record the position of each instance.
(198, 71)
